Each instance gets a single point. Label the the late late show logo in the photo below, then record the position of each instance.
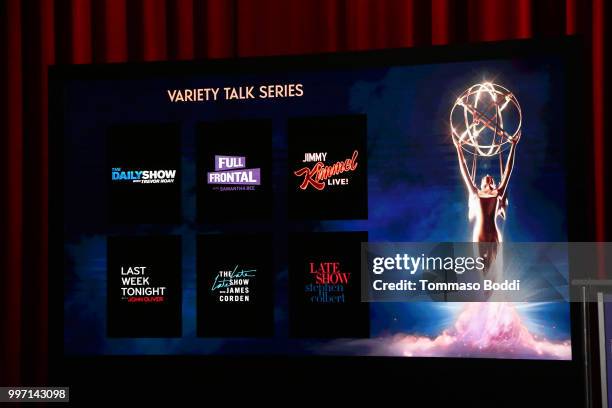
(234, 285)
(321, 175)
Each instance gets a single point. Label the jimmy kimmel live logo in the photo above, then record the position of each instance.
(162, 176)
(322, 175)
(231, 174)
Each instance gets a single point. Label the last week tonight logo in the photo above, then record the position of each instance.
(231, 174)
(137, 285)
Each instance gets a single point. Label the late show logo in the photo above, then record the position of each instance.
(137, 286)
(327, 282)
(231, 174)
(233, 285)
(322, 175)
(142, 176)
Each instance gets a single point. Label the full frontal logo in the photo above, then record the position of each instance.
(322, 175)
(231, 174)
(233, 285)
(328, 282)
(161, 176)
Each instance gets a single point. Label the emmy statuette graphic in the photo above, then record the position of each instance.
(486, 128)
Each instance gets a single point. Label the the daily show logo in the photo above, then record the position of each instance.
(161, 176)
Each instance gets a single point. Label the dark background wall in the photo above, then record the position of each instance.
(38, 33)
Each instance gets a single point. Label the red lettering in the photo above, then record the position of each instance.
(310, 177)
(328, 272)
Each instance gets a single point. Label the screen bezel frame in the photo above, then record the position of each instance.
(568, 48)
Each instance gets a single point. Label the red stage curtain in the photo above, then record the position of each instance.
(37, 33)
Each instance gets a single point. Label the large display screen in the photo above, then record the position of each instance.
(222, 211)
